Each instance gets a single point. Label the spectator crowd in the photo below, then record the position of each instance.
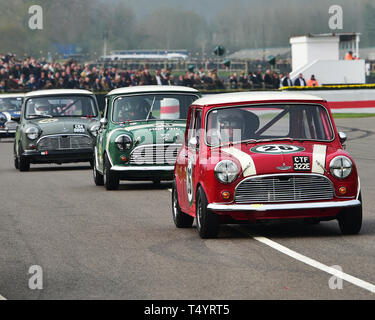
(31, 74)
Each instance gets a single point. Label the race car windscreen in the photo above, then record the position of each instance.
(152, 107)
(10, 104)
(267, 123)
(60, 106)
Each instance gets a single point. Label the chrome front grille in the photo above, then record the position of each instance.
(160, 154)
(65, 142)
(11, 125)
(284, 188)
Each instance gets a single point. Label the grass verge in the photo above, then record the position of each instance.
(352, 115)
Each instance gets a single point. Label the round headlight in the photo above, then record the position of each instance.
(94, 129)
(226, 171)
(341, 167)
(124, 142)
(32, 133)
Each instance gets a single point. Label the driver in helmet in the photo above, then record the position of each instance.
(6, 105)
(126, 112)
(230, 125)
(133, 111)
(237, 125)
(42, 109)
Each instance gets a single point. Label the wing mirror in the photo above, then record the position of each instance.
(343, 137)
(193, 143)
(103, 122)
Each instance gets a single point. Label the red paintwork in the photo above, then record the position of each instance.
(351, 104)
(203, 174)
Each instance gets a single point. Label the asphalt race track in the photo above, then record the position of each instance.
(98, 244)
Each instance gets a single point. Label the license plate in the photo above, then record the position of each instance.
(78, 128)
(301, 163)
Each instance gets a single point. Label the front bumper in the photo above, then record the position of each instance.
(59, 156)
(145, 168)
(284, 206)
(144, 173)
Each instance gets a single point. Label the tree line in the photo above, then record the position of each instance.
(238, 25)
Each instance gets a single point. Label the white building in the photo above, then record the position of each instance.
(319, 55)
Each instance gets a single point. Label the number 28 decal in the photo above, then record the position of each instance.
(277, 149)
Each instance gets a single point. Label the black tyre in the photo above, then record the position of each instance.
(98, 177)
(208, 223)
(16, 161)
(350, 219)
(111, 179)
(181, 219)
(23, 163)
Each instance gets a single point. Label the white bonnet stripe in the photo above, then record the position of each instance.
(247, 162)
(319, 158)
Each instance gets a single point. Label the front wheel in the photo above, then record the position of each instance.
(350, 219)
(16, 161)
(23, 163)
(111, 179)
(181, 219)
(207, 222)
(98, 177)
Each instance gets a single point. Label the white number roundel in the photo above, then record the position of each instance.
(277, 149)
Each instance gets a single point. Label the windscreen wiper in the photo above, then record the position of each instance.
(277, 139)
(40, 116)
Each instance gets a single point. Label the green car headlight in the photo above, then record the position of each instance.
(124, 142)
(32, 133)
(341, 167)
(226, 171)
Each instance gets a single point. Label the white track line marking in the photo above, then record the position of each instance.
(311, 262)
(1, 297)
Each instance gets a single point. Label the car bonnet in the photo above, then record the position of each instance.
(278, 157)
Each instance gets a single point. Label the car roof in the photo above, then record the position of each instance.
(12, 95)
(54, 92)
(152, 88)
(238, 97)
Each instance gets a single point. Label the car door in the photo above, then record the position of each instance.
(100, 145)
(181, 162)
(192, 158)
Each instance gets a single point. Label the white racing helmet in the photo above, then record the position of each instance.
(230, 124)
(42, 108)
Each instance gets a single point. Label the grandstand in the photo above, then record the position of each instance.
(155, 54)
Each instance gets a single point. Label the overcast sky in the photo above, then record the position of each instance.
(207, 8)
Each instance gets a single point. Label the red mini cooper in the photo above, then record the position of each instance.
(256, 156)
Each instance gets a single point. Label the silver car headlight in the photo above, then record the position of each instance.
(32, 133)
(341, 167)
(94, 129)
(124, 142)
(226, 171)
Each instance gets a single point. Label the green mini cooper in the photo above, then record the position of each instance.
(141, 133)
(56, 126)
